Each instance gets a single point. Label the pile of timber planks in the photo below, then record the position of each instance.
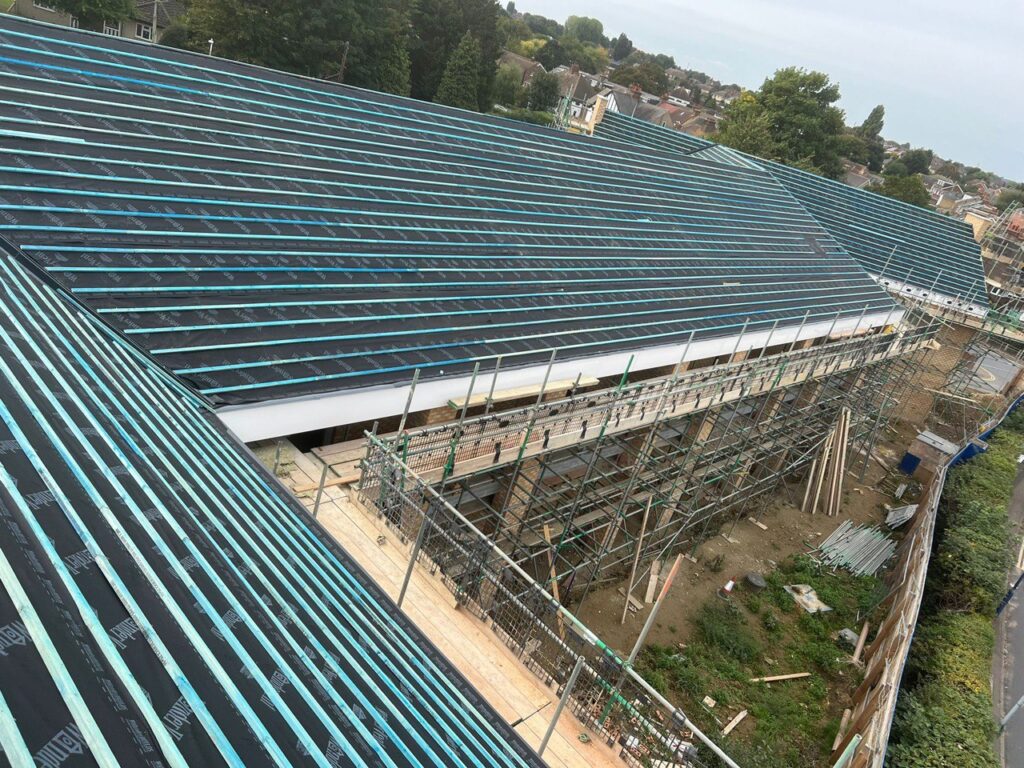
(825, 484)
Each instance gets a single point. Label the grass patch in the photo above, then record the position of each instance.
(757, 634)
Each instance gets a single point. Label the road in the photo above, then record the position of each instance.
(1007, 676)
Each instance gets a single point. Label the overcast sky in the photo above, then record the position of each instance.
(949, 72)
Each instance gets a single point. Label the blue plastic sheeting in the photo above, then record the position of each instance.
(908, 243)
(266, 236)
(163, 601)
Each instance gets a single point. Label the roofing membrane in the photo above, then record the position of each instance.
(910, 244)
(163, 601)
(266, 236)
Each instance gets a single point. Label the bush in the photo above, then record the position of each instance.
(972, 558)
(938, 726)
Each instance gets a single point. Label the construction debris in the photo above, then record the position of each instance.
(900, 515)
(848, 637)
(734, 722)
(780, 678)
(857, 548)
(807, 598)
(825, 482)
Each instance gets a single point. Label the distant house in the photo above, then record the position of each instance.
(679, 114)
(703, 123)
(675, 75)
(526, 68)
(726, 96)
(633, 104)
(149, 22)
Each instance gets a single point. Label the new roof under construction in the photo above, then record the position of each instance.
(895, 241)
(164, 602)
(264, 235)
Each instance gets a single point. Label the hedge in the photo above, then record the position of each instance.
(944, 713)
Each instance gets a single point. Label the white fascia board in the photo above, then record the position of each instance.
(278, 418)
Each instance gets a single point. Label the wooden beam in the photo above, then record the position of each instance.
(734, 722)
(554, 577)
(778, 678)
(636, 560)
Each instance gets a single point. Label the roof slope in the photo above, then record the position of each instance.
(264, 235)
(162, 600)
(912, 244)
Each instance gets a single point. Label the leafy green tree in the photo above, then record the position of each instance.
(436, 32)
(621, 47)
(480, 17)
(543, 25)
(872, 126)
(896, 168)
(508, 86)
(909, 189)
(459, 86)
(804, 125)
(551, 55)
(394, 69)
(853, 147)
(664, 61)
(585, 29)
(917, 160)
(1009, 196)
(91, 13)
(590, 58)
(649, 76)
(511, 32)
(749, 127)
(542, 94)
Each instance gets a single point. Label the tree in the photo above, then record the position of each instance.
(511, 32)
(438, 28)
(853, 147)
(896, 168)
(543, 25)
(749, 127)
(459, 86)
(1009, 196)
(622, 47)
(393, 69)
(917, 160)
(872, 126)
(542, 93)
(590, 58)
(435, 36)
(650, 77)
(508, 86)
(909, 189)
(803, 123)
(585, 29)
(480, 17)
(551, 55)
(91, 13)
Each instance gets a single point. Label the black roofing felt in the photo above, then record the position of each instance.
(910, 244)
(264, 235)
(164, 602)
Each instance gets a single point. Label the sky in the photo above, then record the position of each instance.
(949, 72)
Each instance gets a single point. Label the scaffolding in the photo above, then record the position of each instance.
(562, 488)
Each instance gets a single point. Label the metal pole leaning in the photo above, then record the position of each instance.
(408, 405)
(562, 701)
(320, 489)
(412, 558)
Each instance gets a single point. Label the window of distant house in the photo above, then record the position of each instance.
(145, 31)
(112, 28)
(74, 22)
(42, 4)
